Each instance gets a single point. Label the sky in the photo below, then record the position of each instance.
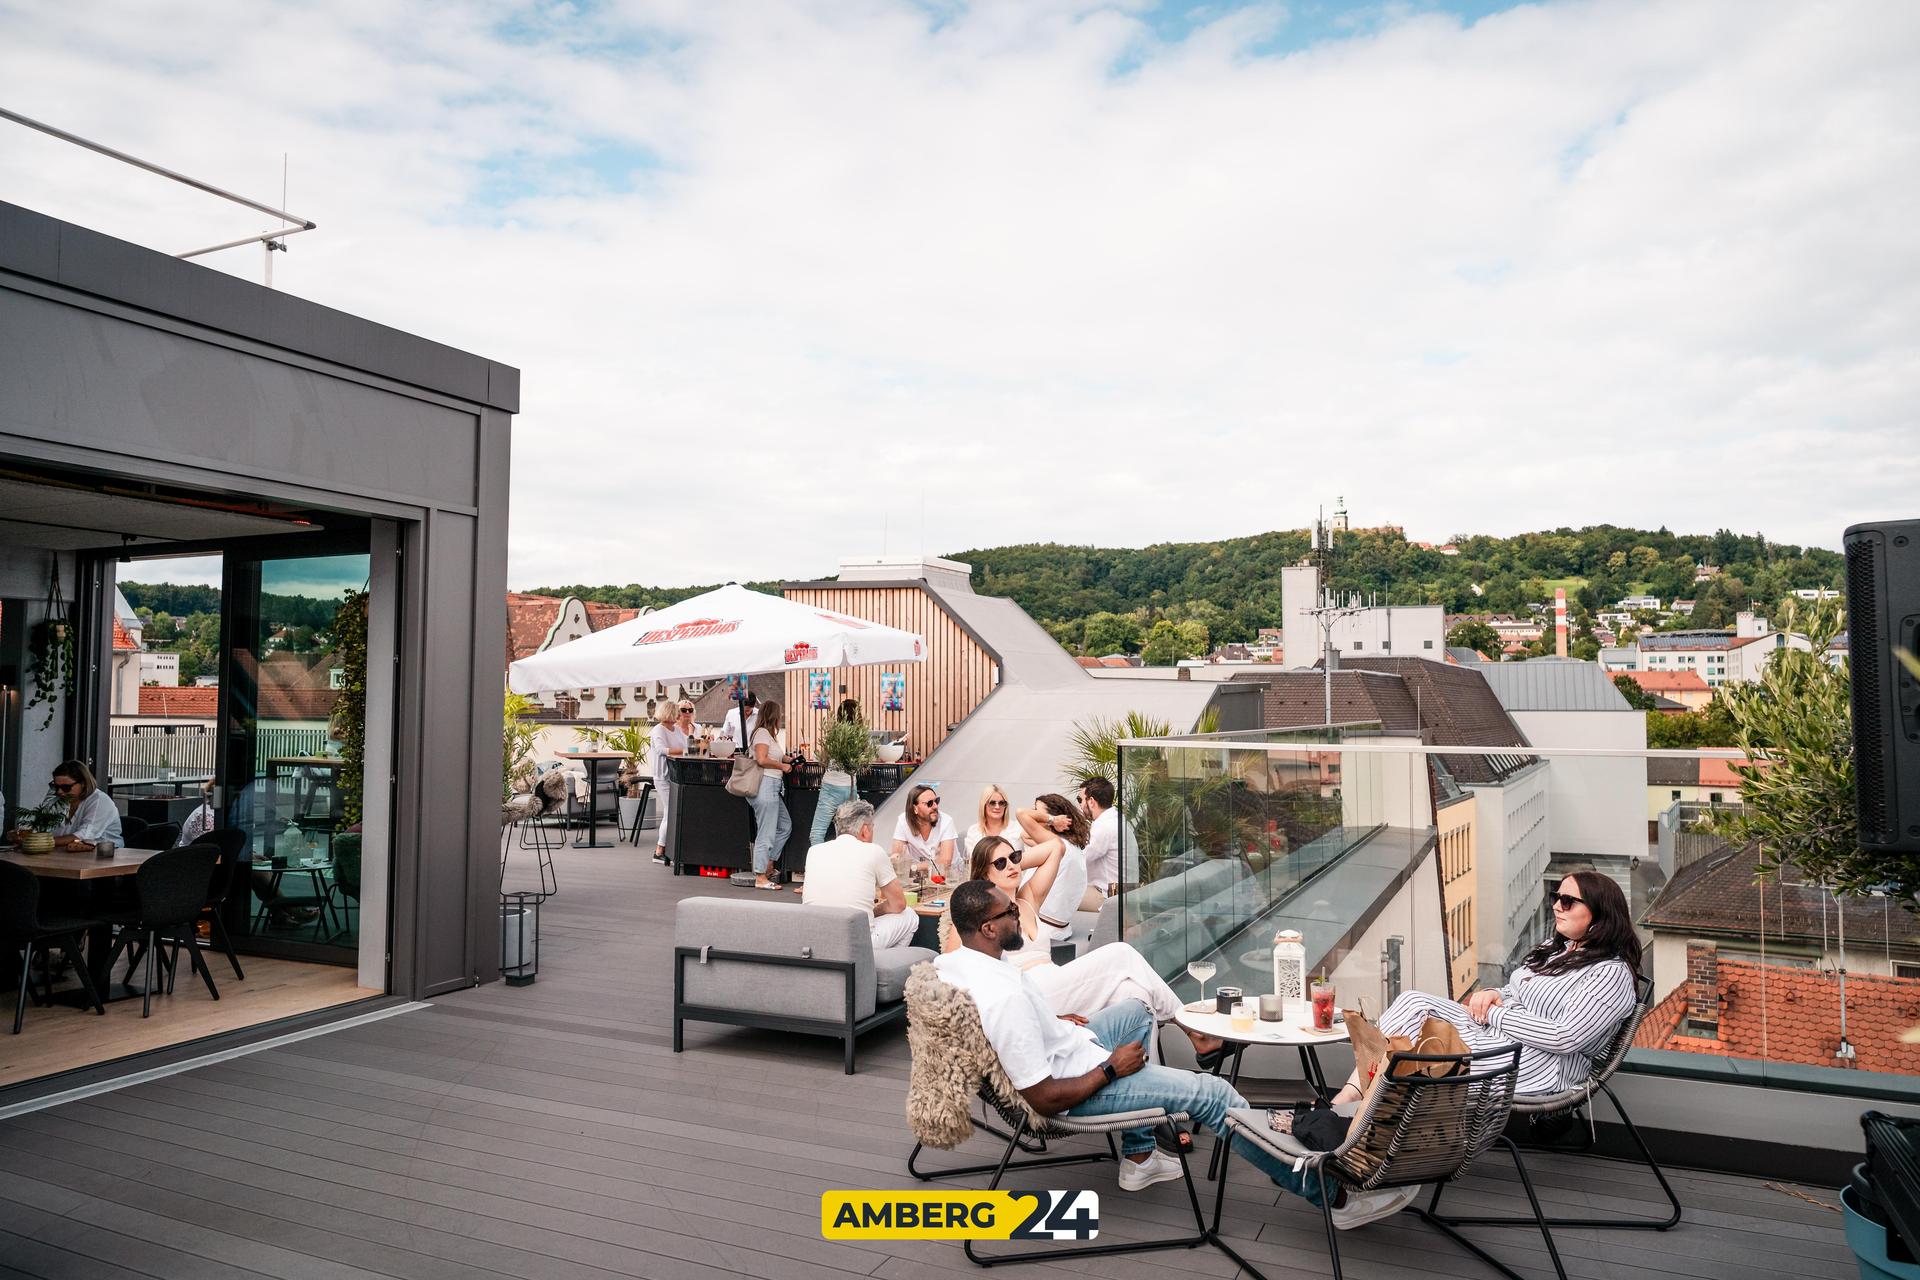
(795, 281)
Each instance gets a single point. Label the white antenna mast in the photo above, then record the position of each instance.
(271, 239)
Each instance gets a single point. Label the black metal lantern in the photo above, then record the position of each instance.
(520, 937)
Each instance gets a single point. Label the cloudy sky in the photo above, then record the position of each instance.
(790, 281)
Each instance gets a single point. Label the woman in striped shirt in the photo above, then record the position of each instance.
(1561, 1006)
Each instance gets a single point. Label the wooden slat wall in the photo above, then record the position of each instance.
(943, 690)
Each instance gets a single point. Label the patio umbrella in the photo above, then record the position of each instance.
(730, 630)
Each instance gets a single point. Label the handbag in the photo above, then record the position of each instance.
(744, 781)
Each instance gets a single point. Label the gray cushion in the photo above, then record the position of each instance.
(890, 966)
(783, 929)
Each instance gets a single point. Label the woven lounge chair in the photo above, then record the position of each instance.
(1546, 1106)
(1417, 1129)
(953, 1064)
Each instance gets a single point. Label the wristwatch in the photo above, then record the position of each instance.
(1106, 1069)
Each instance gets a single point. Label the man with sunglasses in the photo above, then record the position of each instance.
(852, 871)
(1098, 1066)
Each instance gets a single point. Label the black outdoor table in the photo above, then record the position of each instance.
(592, 838)
(706, 825)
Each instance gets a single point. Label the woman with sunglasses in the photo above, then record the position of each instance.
(996, 819)
(672, 732)
(91, 816)
(1562, 1005)
(1095, 981)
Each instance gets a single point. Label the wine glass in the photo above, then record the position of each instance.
(1200, 971)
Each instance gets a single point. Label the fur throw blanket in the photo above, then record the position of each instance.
(951, 1058)
(544, 795)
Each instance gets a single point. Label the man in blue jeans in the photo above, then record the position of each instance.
(1087, 1067)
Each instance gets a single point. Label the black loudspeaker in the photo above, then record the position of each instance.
(1883, 614)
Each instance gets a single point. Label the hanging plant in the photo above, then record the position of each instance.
(54, 652)
(349, 723)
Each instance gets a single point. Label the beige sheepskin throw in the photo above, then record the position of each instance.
(951, 1056)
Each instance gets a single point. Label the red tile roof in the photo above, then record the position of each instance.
(1088, 662)
(1784, 1014)
(199, 702)
(530, 617)
(122, 639)
(1667, 681)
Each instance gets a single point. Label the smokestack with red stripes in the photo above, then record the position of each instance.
(1560, 621)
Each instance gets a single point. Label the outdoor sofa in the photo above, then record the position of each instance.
(785, 967)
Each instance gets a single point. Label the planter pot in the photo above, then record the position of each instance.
(629, 810)
(1868, 1240)
(37, 842)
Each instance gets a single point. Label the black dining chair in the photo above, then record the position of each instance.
(231, 842)
(23, 927)
(133, 832)
(158, 835)
(172, 888)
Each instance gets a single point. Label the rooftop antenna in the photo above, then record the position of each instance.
(274, 240)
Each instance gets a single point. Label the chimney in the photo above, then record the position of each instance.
(1703, 989)
(1560, 621)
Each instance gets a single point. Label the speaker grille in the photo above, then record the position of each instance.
(1866, 662)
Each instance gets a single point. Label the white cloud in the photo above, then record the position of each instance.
(1638, 263)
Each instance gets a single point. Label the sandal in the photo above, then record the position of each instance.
(770, 888)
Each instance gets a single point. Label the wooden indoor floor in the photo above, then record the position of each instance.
(60, 1039)
(550, 1133)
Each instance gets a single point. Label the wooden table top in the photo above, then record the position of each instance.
(66, 865)
(595, 755)
(305, 762)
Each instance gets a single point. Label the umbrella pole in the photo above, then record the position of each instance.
(740, 701)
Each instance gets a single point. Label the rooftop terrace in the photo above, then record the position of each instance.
(550, 1131)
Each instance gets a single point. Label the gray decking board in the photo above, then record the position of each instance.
(550, 1131)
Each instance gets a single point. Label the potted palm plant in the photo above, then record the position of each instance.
(33, 828)
(630, 737)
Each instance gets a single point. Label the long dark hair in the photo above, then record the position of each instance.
(1609, 937)
(1061, 807)
(985, 849)
(913, 809)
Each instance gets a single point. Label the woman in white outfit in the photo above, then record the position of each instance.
(671, 726)
(1093, 982)
(996, 819)
(1567, 998)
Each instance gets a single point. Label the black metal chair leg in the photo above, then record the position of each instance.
(1326, 1216)
(72, 948)
(146, 997)
(26, 983)
(221, 936)
(200, 967)
(1603, 1224)
(1533, 1200)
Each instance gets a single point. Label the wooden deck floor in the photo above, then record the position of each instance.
(550, 1133)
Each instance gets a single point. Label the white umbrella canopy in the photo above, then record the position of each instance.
(728, 631)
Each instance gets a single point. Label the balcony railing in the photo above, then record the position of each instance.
(1357, 838)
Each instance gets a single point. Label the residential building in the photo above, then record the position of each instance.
(1690, 780)
(1783, 922)
(1682, 607)
(1706, 572)
(1707, 653)
(1447, 704)
(536, 623)
(1784, 1015)
(1634, 604)
(1622, 658)
(1371, 629)
(1686, 689)
(1594, 810)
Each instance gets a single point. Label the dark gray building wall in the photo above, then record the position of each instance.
(125, 362)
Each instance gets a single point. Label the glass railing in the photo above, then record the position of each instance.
(1408, 867)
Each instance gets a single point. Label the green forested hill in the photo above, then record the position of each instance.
(1232, 587)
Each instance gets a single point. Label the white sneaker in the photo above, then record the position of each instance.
(1157, 1167)
(1371, 1206)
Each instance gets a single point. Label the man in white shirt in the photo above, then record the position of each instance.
(730, 723)
(852, 871)
(1103, 841)
(1098, 1066)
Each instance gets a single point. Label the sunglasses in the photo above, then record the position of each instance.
(1005, 860)
(996, 804)
(1013, 911)
(1565, 901)
(66, 786)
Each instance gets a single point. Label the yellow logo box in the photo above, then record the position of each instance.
(960, 1215)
